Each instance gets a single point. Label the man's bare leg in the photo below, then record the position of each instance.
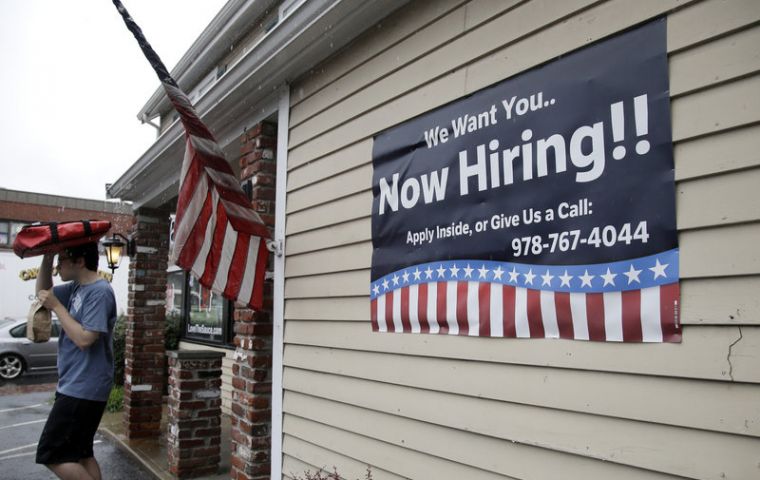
(92, 467)
(71, 471)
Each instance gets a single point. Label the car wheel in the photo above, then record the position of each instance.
(11, 367)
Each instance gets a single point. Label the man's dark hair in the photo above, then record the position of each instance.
(88, 251)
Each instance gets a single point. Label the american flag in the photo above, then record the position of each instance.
(627, 301)
(218, 236)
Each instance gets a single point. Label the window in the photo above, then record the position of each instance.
(220, 70)
(206, 317)
(15, 228)
(8, 232)
(175, 287)
(207, 314)
(56, 329)
(19, 332)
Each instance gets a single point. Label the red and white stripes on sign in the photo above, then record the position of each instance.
(496, 310)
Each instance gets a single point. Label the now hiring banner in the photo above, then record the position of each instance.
(540, 207)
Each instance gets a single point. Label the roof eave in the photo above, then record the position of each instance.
(303, 40)
(224, 30)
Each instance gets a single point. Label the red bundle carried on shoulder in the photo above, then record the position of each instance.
(52, 237)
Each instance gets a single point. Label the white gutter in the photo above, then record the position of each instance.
(283, 119)
(225, 30)
(306, 37)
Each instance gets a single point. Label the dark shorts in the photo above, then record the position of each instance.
(69, 431)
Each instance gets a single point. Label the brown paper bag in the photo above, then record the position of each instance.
(39, 322)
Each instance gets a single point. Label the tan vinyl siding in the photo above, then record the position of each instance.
(338, 211)
(733, 196)
(707, 352)
(348, 157)
(345, 233)
(298, 452)
(405, 462)
(724, 107)
(430, 406)
(728, 300)
(707, 155)
(557, 388)
(471, 431)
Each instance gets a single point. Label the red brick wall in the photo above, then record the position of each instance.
(252, 370)
(146, 319)
(194, 424)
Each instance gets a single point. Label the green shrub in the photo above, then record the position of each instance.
(171, 342)
(119, 333)
(171, 332)
(115, 399)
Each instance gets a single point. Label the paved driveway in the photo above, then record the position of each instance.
(22, 417)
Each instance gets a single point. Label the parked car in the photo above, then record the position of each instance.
(18, 354)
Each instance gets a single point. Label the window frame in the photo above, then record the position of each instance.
(228, 333)
(6, 232)
(14, 332)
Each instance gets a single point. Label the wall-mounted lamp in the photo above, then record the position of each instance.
(114, 249)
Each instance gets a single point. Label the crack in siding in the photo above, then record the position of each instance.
(730, 352)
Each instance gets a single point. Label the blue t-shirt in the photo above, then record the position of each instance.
(88, 373)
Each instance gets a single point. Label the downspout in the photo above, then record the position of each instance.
(283, 126)
(145, 120)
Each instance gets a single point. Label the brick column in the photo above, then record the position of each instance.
(146, 318)
(195, 412)
(252, 370)
(258, 168)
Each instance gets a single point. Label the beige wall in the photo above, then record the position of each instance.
(435, 407)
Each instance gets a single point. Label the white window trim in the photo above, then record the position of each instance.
(283, 122)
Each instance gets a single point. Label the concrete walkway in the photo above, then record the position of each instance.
(151, 452)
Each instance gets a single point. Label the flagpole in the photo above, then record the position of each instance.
(150, 54)
(188, 116)
(220, 238)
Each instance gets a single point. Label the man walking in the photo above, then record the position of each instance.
(86, 309)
